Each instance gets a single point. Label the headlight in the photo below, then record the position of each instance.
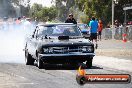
(87, 49)
(48, 50)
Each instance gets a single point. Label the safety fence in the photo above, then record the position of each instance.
(117, 33)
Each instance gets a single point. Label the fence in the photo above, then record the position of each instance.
(116, 33)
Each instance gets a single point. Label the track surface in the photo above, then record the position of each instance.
(15, 74)
(18, 75)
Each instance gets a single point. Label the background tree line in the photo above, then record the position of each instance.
(43, 13)
(101, 9)
(13, 8)
(83, 10)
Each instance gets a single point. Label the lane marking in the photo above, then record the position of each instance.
(14, 75)
(17, 83)
(20, 76)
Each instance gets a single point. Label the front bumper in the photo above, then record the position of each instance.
(76, 57)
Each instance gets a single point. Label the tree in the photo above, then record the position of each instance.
(63, 8)
(102, 9)
(119, 13)
(43, 13)
(35, 9)
(8, 7)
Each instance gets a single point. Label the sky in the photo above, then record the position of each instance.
(46, 3)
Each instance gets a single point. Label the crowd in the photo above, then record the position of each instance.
(17, 23)
(95, 27)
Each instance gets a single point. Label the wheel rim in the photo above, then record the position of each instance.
(38, 62)
(26, 55)
(26, 60)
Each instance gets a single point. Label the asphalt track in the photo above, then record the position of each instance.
(15, 74)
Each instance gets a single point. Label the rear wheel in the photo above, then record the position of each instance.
(28, 59)
(89, 63)
(40, 63)
(96, 46)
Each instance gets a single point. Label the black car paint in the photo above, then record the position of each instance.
(35, 45)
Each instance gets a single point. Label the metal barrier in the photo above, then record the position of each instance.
(107, 33)
(129, 33)
(116, 33)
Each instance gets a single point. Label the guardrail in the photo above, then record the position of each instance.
(117, 33)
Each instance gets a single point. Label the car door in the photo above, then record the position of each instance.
(32, 42)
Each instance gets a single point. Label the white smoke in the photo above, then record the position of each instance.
(12, 43)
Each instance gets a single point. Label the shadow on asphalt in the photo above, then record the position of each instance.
(67, 67)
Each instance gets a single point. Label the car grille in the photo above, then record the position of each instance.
(62, 50)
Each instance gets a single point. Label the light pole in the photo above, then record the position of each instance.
(113, 6)
(125, 18)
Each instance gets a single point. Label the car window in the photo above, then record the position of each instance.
(45, 31)
(59, 30)
(42, 30)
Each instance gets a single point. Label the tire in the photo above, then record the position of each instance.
(96, 46)
(28, 59)
(89, 63)
(40, 63)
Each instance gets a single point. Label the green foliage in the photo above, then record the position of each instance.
(63, 8)
(43, 13)
(84, 19)
(102, 9)
(119, 13)
(98, 8)
(10, 8)
(6, 8)
(16, 2)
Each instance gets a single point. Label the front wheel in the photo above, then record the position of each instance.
(89, 63)
(28, 59)
(39, 63)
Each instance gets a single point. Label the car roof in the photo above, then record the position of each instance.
(54, 24)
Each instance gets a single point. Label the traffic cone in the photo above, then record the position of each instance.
(124, 37)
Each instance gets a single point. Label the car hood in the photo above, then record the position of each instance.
(71, 41)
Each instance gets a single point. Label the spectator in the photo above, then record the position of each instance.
(70, 19)
(100, 28)
(18, 21)
(116, 23)
(93, 30)
(27, 24)
(23, 19)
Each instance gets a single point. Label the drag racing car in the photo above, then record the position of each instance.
(59, 43)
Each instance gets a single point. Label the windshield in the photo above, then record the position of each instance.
(59, 30)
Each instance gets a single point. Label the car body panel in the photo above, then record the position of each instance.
(62, 49)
